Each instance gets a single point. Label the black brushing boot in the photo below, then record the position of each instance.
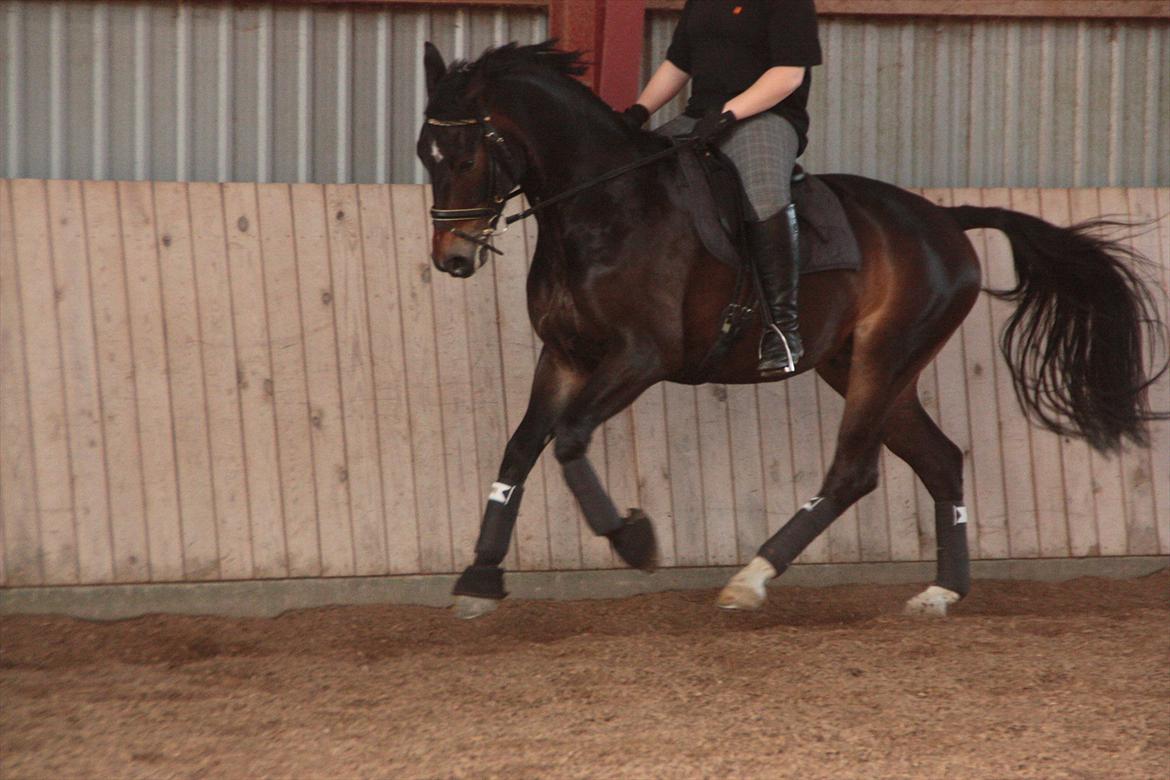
(775, 248)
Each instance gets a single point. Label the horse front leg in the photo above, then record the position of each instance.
(617, 383)
(480, 588)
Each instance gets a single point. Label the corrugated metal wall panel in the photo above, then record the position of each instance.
(319, 93)
(220, 92)
(1022, 102)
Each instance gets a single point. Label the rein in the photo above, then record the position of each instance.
(494, 212)
(613, 174)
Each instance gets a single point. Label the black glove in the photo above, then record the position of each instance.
(712, 126)
(635, 116)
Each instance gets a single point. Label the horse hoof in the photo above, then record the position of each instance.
(471, 607)
(482, 582)
(739, 597)
(747, 589)
(932, 602)
(635, 542)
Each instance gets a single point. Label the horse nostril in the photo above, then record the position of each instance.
(460, 266)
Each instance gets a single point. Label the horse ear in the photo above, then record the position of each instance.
(434, 65)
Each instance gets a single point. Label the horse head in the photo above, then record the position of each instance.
(473, 170)
(512, 121)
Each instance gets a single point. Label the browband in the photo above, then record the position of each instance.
(456, 122)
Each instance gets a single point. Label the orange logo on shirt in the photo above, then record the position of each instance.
(737, 10)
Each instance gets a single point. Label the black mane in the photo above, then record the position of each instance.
(510, 56)
(465, 81)
(461, 91)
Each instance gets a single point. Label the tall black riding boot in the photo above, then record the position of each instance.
(775, 248)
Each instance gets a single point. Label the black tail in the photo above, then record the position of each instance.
(1075, 341)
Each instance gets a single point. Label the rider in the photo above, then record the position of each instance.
(750, 63)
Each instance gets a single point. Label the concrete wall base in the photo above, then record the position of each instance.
(267, 598)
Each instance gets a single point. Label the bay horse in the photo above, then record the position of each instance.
(623, 295)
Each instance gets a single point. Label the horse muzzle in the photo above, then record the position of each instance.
(460, 267)
(460, 253)
(454, 255)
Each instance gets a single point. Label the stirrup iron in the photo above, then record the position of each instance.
(787, 368)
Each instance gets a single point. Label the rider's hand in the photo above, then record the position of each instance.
(713, 125)
(635, 116)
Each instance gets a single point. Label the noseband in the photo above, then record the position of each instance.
(499, 157)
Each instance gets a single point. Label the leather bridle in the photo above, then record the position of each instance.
(499, 158)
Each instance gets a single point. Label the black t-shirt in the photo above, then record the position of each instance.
(726, 45)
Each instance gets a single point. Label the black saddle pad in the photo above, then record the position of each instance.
(716, 200)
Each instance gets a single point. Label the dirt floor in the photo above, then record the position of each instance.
(1026, 680)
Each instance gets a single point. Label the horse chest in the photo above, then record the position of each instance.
(554, 314)
(561, 323)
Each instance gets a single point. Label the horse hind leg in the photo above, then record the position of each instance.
(912, 435)
(915, 438)
(852, 474)
(880, 406)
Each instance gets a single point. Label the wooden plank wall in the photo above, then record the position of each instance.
(211, 382)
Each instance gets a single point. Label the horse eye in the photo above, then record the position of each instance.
(466, 165)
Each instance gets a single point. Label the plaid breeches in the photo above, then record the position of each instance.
(763, 150)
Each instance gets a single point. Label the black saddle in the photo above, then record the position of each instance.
(718, 204)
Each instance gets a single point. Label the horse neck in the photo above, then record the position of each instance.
(567, 138)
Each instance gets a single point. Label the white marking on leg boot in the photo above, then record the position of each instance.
(470, 607)
(746, 590)
(932, 602)
(501, 493)
(811, 504)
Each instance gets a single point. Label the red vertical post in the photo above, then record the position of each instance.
(576, 24)
(610, 32)
(621, 52)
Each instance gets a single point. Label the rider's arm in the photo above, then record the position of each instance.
(666, 82)
(769, 89)
(674, 72)
(793, 47)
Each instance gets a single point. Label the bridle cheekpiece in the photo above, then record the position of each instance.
(498, 156)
